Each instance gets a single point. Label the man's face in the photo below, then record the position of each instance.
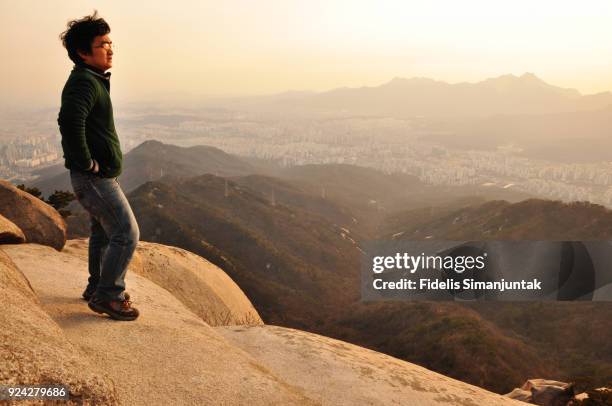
(101, 56)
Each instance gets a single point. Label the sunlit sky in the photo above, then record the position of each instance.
(186, 50)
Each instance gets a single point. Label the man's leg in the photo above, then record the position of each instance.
(123, 232)
(98, 242)
(106, 202)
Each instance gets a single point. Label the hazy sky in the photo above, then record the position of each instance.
(187, 49)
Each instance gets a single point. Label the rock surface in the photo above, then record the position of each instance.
(171, 356)
(545, 392)
(520, 394)
(548, 392)
(40, 223)
(200, 285)
(338, 373)
(168, 356)
(35, 350)
(9, 232)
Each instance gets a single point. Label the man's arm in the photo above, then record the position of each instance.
(78, 100)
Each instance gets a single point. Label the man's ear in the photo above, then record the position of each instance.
(82, 54)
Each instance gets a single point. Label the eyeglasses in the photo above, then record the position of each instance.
(107, 46)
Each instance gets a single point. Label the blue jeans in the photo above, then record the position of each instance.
(114, 232)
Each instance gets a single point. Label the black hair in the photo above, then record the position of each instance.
(80, 35)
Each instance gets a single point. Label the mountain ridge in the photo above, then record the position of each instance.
(425, 97)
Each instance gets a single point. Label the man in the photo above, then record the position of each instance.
(93, 155)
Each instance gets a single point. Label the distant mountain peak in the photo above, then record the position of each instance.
(526, 82)
(503, 82)
(525, 77)
(530, 76)
(149, 144)
(523, 93)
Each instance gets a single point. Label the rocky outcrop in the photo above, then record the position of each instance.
(595, 397)
(200, 285)
(338, 373)
(171, 356)
(548, 392)
(39, 222)
(519, 394)
(13, 280)
(9, 232)
(545, 392)
(34, 349)
(168, 356)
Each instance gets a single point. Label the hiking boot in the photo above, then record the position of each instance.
(88, 294)
(116, 309)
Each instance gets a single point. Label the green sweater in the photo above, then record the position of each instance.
(86, 123)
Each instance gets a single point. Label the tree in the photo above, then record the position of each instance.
(34, 191)
(59, 199)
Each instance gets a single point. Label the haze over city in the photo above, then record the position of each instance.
(238, 48)
(469, 94)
